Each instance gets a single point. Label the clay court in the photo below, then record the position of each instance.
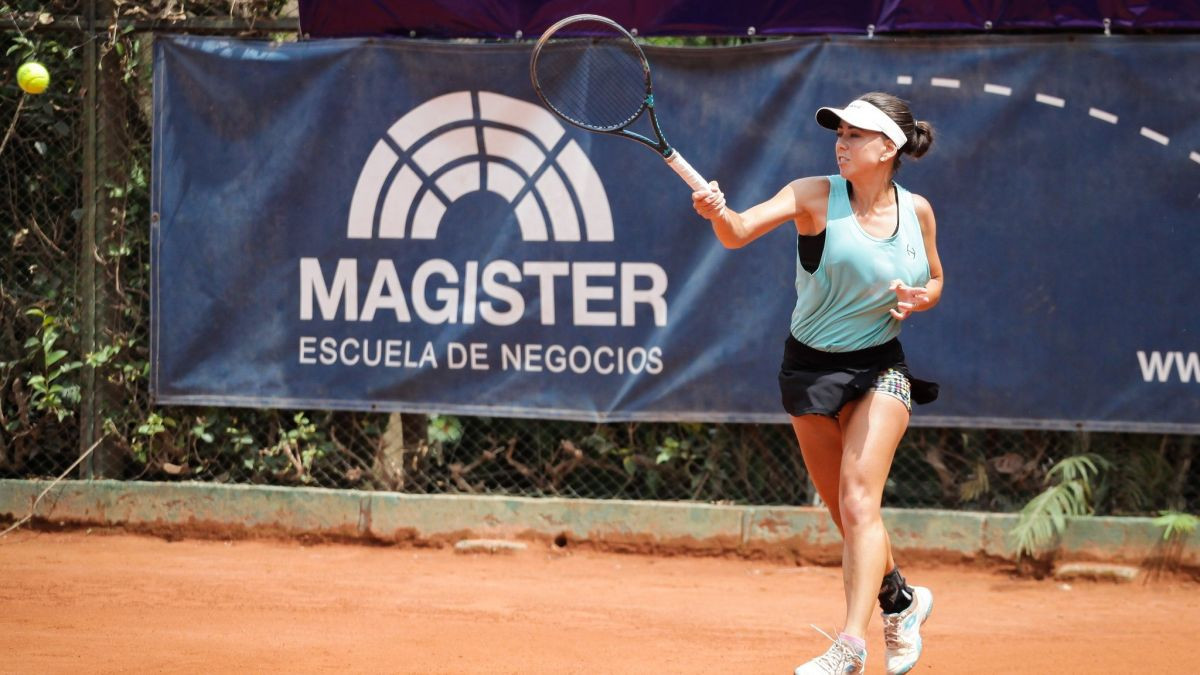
(110, 602)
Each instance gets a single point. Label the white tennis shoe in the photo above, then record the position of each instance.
(902, 632)
(841, 658)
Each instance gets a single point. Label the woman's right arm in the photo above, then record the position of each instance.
(735, 230)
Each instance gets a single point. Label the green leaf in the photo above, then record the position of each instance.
(306, 456)
(630, 465)
(55, 356)
(103, 356)
(1176, 524)
(444, 429)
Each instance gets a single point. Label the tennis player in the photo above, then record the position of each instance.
(866, 259)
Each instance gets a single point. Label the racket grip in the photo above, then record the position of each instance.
(686, 172)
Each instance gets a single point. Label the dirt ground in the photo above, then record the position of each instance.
(108, 602)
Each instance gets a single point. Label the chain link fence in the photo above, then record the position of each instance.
(74, 317)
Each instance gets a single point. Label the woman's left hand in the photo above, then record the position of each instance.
(909, 299)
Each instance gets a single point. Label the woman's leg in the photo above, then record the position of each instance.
(820, 440)
(872, 428)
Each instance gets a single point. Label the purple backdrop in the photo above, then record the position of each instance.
(528, 18)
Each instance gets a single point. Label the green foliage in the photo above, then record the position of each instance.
(293, 455)
(43, 362)
(705, 40)
(53, 391)
(1176, 525)
(1068, 494)
(444, 429)
(1139, 477)
(152, 437)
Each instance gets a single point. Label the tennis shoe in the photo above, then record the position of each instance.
(902, 632)
(839, 659)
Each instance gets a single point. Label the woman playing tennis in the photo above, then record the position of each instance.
(866, 259)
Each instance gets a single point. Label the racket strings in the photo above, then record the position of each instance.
(597, 82)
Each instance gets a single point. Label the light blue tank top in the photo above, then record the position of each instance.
(843, 306)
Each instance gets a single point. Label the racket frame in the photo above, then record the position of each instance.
(664, 149)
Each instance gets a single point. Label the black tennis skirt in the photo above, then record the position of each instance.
(815, 382)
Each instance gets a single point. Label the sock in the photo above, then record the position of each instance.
(859, 644)
(895, 595)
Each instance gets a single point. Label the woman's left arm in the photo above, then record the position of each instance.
(911, 299)
(933, 289)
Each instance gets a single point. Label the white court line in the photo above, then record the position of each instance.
(1195, 157)
(904, 79)
(997, 89)
(1155, 136)
(946, 82)
(1050, 100)
(1102, 115)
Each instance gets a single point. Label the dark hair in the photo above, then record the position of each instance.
(918, 133)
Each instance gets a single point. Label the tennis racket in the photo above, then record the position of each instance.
(589, 71)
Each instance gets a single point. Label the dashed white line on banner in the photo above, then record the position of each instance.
(1047, 99)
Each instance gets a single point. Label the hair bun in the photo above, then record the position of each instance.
(921, 140)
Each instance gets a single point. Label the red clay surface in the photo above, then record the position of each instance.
(106, 602)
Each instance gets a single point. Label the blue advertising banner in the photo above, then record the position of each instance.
(397, 225)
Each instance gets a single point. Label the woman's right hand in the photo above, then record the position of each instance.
(711, 203)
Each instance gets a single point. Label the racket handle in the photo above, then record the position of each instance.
(686, 172)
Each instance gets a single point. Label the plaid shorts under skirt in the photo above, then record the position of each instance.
(894, 382)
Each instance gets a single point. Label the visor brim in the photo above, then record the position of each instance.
(830, 118)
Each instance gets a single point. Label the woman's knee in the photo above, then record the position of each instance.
(858, 507)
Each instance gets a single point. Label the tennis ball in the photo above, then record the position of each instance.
(33, 77)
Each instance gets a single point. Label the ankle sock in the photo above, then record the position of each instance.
(895, 595)
(859, 644)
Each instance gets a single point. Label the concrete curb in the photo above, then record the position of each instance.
(800, 533)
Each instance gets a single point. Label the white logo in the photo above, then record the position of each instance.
(1160, 366)
(464, 142)
(448, 147)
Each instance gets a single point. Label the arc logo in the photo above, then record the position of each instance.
(454, 145)
(468, 141)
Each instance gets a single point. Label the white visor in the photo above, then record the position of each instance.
(864, 116)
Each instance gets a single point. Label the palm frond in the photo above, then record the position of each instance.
(1176, 525)
(1043, 520)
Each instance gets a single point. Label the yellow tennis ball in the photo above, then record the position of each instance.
(33, 77)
